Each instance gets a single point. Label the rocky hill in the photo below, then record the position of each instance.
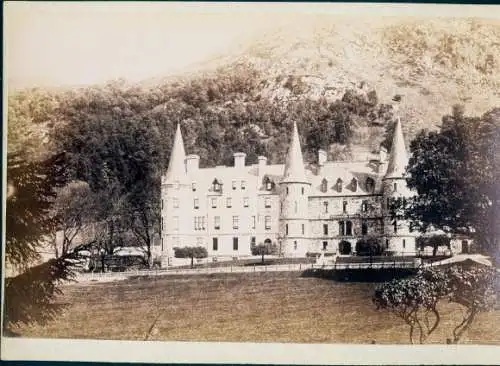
(431, 63)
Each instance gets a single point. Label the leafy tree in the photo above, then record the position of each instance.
(434, 241)
(415, 299)
(455, 173)
(369, 246)
(73, 206)
(263, 249)
(476, 289)
(191, 252)
(29, 220)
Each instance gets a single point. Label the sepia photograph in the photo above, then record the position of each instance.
(251, 182)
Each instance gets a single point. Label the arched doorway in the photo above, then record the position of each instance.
(345, 247)
(267, 241)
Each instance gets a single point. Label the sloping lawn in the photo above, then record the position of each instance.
(256, 307)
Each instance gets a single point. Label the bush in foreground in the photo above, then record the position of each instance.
(416, 299)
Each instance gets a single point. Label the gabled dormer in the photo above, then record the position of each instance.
(324, 185)
(339, 184)
(216, 186)
(354, 184)
(370, 185)
(268, 183)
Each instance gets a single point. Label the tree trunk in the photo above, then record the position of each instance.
(192, 262)
(262, 257)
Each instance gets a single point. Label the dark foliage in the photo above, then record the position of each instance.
(30, 297)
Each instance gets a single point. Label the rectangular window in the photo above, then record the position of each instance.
(344, 206)
(303, 229)
(252, 240)
(245, 202)
(203, 223)
(162, 228)
(196, 203)
(404, 243)
(214, 202)
(193, 186)
(325, 229)
(235, 243)
(229, 202)
(216, 222)
(295, 245)
(364, 228)
(176, 202)
(234, 184)
(215, 244)
(243, 184)
(325, 245)
(286, 229)
(236, 221)
(162, 204)
(325, 205)
(196, 224)
(268, 222)
(253, 222)
(175, 220)
(348, 228)
(267, 202)
(341, 228)
(395, 224)
(364, 206)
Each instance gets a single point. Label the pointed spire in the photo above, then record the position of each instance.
(398, 159)
(294, 166)
(177, 165)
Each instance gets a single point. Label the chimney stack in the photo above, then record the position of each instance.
(192, 163)
(262, 164)
(322, 157)
(239, 160)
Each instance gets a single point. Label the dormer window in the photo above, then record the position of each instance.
(338, 185)
(324, 185)
(395, 187)
(354, 184)
(370, 185)
(216, 186)
(268, 183)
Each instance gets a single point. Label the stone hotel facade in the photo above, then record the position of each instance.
(328, 206)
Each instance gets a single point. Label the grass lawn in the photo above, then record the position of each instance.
(256, 307)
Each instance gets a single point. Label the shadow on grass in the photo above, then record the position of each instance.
(360, 275)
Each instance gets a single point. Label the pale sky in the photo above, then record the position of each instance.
(86, 43)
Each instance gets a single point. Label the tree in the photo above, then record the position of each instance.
(191, 252)
(369, 246)
(74, 207)
(434, 241)
(29, 220)
(455, 173)
(266, 248)
(414, 299)
(476, 289)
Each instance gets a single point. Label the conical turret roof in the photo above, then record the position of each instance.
(294, 165)
(177, 165)
(398, 159)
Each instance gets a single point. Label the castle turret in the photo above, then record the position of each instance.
(175, 194)
(294, 191)
(398, 237)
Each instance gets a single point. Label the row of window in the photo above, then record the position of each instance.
(229, 202)
(200, 223)
(215, 243)
(364, 206)
(217, 186)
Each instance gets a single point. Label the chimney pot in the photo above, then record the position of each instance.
(239, 160)
(322, 157)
